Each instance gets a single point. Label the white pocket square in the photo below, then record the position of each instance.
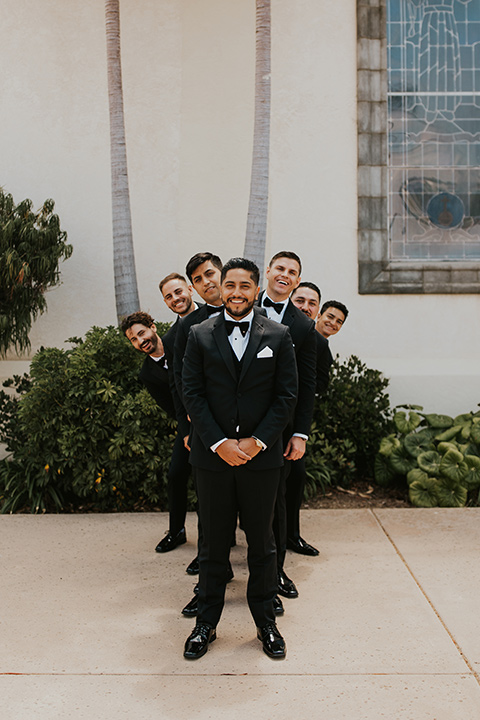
(265, 352)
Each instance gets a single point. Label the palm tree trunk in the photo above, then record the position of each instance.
(126, 292)
(255, 239)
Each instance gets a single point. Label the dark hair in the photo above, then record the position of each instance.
(199, 259)
(243, 264)
(172, 276)
(287, 254)
(140, 318)
(310, 285)
(335, 304)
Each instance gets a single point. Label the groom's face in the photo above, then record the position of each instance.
(239, 292)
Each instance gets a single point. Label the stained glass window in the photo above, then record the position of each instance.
(433, 129)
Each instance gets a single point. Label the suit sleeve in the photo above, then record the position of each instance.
(272, 425)
(324, 361)
(307, 376)
(194, 393)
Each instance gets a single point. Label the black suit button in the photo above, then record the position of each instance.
(239, 394)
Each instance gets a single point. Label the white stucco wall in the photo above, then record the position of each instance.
(188, 71)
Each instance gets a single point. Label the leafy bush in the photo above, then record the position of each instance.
(436, 455)
(31, 247)
(82, 431)
(349, 421)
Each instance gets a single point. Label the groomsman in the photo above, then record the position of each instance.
(140, 329)
(283, 276)
(306, 297)
(203, 271)
(239, 388)
(178, 296)
(331, 319)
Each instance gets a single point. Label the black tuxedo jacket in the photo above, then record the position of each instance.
(302, 331)
(155, 377)
(324, 360)
(258, 401)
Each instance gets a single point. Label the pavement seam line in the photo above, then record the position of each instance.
(417, 583)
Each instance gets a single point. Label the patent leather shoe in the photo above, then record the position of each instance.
(198, 641)
(192, 569)
(286, 587)
(191, 608)
(278, 606)
(272, 642)
(170, 542)
(301, 547)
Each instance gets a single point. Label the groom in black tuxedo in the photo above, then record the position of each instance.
(239, 387)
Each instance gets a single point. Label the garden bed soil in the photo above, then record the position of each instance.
(362, 494)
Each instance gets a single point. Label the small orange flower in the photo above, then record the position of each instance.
(47, 467)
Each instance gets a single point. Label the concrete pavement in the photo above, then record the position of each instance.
(386, 624)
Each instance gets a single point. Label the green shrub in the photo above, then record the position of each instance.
(349, 421)
(437, 456)
(83, 432)
(31, 247)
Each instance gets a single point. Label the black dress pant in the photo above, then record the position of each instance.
(280, 516)
(177, 481)
(294, 496)
(221, 495)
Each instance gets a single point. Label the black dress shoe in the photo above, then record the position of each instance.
(191, 608)
(170, 542)
(198, 641)
(278, 606)
(273, 643)
(301, 547)
(192, 569)
(286, 587)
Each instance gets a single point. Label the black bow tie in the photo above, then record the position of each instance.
(230, 324)
(211, 309)
(278, 307)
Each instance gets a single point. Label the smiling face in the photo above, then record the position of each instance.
(330, 322)
(283, 276)
(206, 281)
(178, 296)
(307, 300)
(239, 292)
(145, 339)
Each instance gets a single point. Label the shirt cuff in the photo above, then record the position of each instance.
(264, 447)
(300, 435)
(214, 447)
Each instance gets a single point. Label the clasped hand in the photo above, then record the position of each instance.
(238, 452)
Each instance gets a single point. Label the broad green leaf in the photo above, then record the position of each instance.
(418, 442)
(439, 421)
(429, 462)
(449, 434)
(450, 493)
(405, 425)
(453, 466)
(416, 475)
(423, 493)
(472, 478)
(388, 444)
(443, 447)
(462, 419)
(401, 460)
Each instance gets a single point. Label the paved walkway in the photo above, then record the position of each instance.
(386, 625)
